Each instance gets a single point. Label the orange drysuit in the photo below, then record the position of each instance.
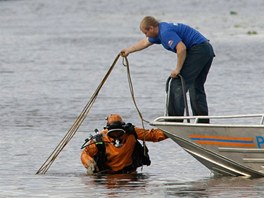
(120, 157)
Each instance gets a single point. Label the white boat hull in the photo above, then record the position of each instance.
(234, 150)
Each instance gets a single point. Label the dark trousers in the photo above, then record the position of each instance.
(194, 72)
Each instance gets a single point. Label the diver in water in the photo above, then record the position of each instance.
(116, 149)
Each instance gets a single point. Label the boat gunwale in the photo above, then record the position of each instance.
(168, 120)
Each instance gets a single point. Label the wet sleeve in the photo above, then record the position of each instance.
(88, 153)
(153, 135)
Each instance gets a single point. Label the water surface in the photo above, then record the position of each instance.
(54, 54)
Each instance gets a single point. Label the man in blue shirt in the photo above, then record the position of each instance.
(194, 58)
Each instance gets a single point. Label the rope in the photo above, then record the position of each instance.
(168, 86)
(167, 99)
(126, 64)
(71, 132)
(44, 168)
(184, 97)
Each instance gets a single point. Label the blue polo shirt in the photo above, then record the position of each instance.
(170, 34)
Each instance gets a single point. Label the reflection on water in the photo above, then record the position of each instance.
(143, 185)
(210, 187)
(126, 182)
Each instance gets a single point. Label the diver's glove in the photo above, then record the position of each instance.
(91, 167)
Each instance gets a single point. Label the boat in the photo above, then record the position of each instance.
(231, 145)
